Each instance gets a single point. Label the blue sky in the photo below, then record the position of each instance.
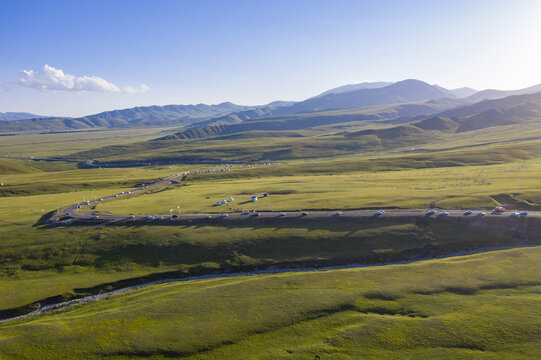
(118, 54)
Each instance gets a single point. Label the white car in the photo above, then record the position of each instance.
(514, 214)
(379, 213)
(480, 213)
(338, 213)
(149, 217)
(131, 217)
(430, 212)
(208, 217)
(95, 217)
(160, 218)
(224, 215)
(524, 213)
(467, 212)
(282, 214)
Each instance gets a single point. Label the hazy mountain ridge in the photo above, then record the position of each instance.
(15, 116)
(492, 94)
(168, 115)
(310, 120)
(405, 91)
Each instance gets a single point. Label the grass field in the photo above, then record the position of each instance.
(515, 185)
(454, 308)
(63, 143)
(475, 307)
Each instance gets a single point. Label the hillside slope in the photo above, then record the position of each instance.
(8, 167)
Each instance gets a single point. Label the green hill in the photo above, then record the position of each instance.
(8, 167)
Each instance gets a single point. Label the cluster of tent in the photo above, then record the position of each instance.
(225, 201)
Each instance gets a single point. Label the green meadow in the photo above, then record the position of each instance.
(482, 306)
(477, 306)
(514, 184)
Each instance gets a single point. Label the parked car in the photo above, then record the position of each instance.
(467, 212)
(379, 213)
(131, 217)
(174, 216)
(246, 212)
(524, 213)
(480, 213)
(444, 213)
(304, 213)
(149, 217)
(282, 214)
(255, 214)
(338, 213)
(430, 212)
(514, 214)
(224, 215)
(160, 217)
(208, 217)
(95, 217)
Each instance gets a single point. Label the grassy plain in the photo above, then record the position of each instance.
(64, 143)
(513, 184)
(446, 308)
(482, 306)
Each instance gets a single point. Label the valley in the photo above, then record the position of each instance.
(152, 224)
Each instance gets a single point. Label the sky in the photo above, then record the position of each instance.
(74, 58)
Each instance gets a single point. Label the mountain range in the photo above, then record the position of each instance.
(14, 116)
(404, 98)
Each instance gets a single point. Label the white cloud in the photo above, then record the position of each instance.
(136, 90)
(55, 79)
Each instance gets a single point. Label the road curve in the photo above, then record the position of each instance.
(72, 210)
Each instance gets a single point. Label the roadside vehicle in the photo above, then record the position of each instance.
(174, 216)
(480, 213)
(338, 213)
(304, 213)
(208, 217)
(467, 212)
(524, 213)
(160, 217)
(95, 217)
(514, 214)
(246, 212)
(224, 215)
(499, 209)
(282, 214)
(444, 213)
(149, 217)
(255, 214)
(430, 212)
(131, 217)
(379, 213)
